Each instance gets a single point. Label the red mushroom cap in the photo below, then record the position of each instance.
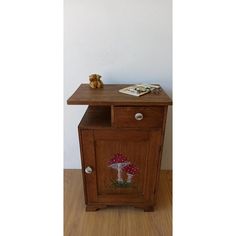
(117, 158)
(131, 169)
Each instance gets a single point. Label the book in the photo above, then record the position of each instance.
(139, 89)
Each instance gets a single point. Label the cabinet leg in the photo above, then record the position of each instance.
(95, 208)
(148, 209)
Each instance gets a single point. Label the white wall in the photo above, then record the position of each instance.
(126, 41)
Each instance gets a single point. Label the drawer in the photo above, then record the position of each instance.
(138, 116)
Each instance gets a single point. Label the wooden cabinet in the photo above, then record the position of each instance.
(121, 139)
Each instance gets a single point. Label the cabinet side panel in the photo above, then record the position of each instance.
(82, 163)
(89, 160)
(160, 150)
(152, 164)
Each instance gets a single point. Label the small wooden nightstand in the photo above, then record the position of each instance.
(121, 139)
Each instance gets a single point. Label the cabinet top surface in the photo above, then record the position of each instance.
(109, 95)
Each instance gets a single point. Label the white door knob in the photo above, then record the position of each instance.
(88, 170)
(138, 116)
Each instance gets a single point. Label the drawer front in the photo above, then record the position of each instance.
(138, 116)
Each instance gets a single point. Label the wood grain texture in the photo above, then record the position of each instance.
(117, 221)
(109, 95)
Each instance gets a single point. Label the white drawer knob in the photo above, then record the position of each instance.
(88, 170)
(138, 116)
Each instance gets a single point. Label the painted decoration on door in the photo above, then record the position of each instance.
(125, 170)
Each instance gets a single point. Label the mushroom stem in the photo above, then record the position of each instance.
(119, 169)
(129, 179)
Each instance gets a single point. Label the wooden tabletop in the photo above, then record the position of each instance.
(109, 95)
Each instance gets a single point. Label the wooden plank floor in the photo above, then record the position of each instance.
(115, 221)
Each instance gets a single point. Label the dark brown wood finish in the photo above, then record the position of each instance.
(109, 127)
(125, 116)
(109, 95)
(96, 118)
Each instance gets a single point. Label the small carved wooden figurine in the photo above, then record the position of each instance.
(95, 81)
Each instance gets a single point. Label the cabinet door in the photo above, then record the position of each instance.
(124, 165)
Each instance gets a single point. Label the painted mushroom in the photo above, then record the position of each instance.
(131, 170)
(118, 162)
